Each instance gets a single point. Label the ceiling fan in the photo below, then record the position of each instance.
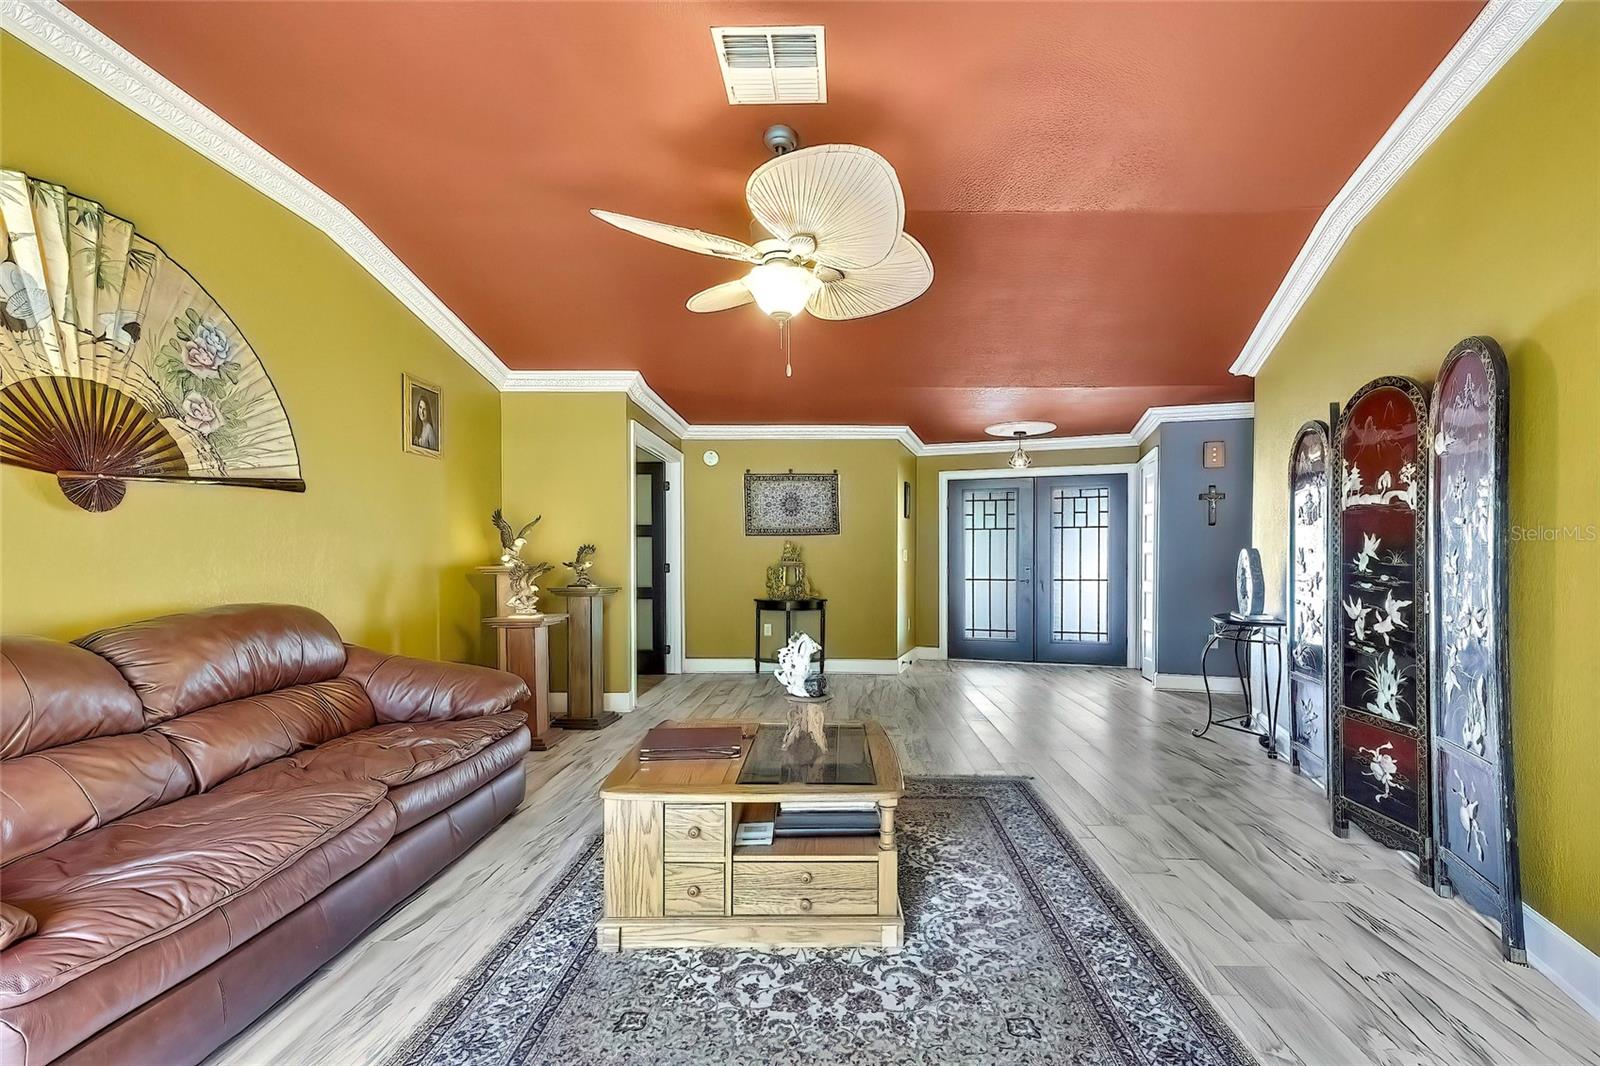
(838, 246)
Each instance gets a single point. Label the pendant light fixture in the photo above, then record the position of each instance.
(1020, 431)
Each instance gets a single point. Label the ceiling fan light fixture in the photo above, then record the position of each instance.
(782, 289)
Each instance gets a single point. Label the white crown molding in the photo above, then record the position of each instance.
(903, 434)
(629, 381)
(1037, 444)
(1155, 417)
(1493, 38)
(67, 39)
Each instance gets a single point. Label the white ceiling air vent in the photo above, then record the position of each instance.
(772, 64)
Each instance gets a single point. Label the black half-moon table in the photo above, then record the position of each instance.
(1245, 632)
(789, 607)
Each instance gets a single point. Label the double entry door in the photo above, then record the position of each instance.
(1038, 569)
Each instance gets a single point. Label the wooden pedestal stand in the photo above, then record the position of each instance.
(522, 645)
(586, 657)
(525, 651)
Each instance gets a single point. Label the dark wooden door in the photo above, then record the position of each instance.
(650, 546)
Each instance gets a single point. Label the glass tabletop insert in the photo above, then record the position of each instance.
(780, 756)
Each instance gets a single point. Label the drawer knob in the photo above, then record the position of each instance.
(805, 877)
(694, 890)
(805, 904)
(694, 832)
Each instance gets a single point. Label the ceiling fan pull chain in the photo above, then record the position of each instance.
(786, 344)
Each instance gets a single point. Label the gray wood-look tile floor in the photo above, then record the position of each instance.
(1318, 950)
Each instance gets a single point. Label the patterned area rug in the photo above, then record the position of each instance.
(1016, 952)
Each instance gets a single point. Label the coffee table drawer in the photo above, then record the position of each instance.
(695, 830)
(805, 888)
(694, 888)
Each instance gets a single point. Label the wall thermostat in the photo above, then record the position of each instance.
(711, 458)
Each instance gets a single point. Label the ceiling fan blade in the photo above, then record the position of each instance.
(899, 279)
(720, 297)
(845, 196)
(690, 240)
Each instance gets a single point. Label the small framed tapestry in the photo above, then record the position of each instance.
(791, 505)
(419, 415)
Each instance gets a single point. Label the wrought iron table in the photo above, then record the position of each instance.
(1245, 632)
(789, 607)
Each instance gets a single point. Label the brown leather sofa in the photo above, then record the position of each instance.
(200, 810)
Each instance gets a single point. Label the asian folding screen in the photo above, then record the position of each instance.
(1380, 742)
(1475, 813)
(1311, 598)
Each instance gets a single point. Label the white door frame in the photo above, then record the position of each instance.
(1128, 470)
(1149, 473)
(642, 437)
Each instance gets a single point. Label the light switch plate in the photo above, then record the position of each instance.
(1213, 454)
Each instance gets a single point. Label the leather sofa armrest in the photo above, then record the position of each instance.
(15, 923)
(403, 689)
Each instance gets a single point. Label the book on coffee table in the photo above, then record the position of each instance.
(665, 743)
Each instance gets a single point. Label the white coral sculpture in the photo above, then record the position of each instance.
(1357, 612)
(1368, 552)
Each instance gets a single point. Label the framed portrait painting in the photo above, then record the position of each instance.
(422, 405)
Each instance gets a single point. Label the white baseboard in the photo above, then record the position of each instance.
(1570, 966)
(1227, 686)
(620, 702)
(926, 651)
(835, 666)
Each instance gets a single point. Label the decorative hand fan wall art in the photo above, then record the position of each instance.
(838, 246)
(117, 366)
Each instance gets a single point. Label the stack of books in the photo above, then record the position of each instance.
(826, 818)
(665, 743)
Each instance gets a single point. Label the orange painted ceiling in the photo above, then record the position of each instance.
(1110, 192)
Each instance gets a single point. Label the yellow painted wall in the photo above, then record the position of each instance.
(906, 561)
(724, 570)
(925, 600)
(644, 418)
(565, 455)
(1496, 230)
(381, 541)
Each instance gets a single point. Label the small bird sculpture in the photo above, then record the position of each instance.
(511, 543)
(581, 566)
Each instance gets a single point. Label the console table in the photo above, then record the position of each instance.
(789, 607)
(1245, 632)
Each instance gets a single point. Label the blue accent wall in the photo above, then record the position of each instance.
(1195, 572)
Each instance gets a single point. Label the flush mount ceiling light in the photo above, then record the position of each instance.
(838, 247)
(1020, 431)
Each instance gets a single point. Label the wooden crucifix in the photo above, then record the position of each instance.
(1211, 496)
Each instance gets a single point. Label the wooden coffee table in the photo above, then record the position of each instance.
(673, 877)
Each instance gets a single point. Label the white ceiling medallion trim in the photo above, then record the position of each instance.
(75, 44)
(1493, 38)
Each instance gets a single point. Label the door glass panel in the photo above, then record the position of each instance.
(1080, 577)
(989, 526)
(647, 627)
(644, 559)
(643, 499)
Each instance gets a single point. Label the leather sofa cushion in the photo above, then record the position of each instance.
(183, 662)
(391, 754)
(53, 693)
(15, 923)
(420, 799)
(131, 883)
(226, 740)
(61, 792)
(404, 689)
